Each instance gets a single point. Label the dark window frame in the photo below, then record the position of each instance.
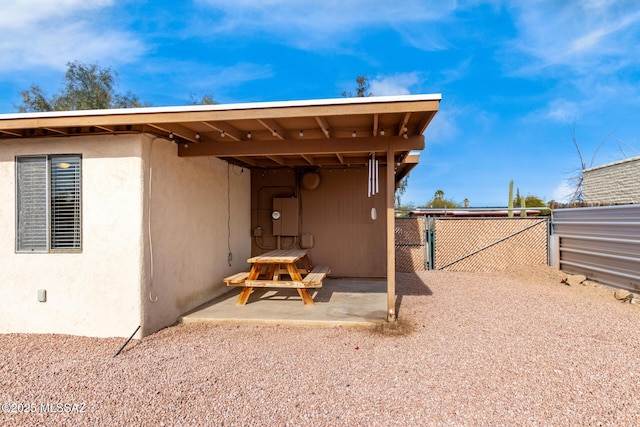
(49, 203)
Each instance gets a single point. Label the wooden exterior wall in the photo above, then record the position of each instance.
(337, 214)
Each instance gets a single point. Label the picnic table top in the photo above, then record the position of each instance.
(279, 256)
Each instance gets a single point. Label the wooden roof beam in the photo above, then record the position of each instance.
(277, 159)
(340, 158)
(176, 129)
(247, 160)
(344, 146)
(7, 132)
(324, 126)
(308, 158)
(273, 127)
(403, 126)
(58, 131)
(375, 125)
(225, 129)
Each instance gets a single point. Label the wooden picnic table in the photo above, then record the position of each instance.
(267, 269)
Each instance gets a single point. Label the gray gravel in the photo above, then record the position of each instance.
(516, 348)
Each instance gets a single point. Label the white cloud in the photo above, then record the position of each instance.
(397, 84)
(218, 78)
(443, 127)
(563, 192)
(323, 24)
(563, 111)
(43, 33)
(578, 34)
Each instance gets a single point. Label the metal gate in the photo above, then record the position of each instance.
(412, 249)
(489, 244)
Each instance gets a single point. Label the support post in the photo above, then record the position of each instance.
(391, 238)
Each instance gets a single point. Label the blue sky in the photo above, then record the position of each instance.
(515, 76)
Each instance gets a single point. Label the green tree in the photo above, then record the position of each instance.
(530, 201)
(85, 87)
(440, 202)
(362, 90)
(400, 189)
(205, 100)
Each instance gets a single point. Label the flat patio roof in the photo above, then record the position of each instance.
(339, 132)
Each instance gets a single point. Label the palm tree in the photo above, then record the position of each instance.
(439, 194)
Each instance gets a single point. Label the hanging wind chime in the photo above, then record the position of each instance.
(373, 186)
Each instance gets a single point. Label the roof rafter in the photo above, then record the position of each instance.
(324, 126)
(273, 127)
(225, 129)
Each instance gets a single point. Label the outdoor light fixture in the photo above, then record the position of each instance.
(249, 135)
(301, 133)
(274, 133)
(382, 132)
(405, 129)
(222, 134)
(405, 136)
(353, 134)
(197, 137)
(170, 135)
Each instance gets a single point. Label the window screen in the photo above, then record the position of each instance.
(48, 203)
(32, 204)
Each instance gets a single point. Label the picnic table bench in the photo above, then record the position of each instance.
(267, 268)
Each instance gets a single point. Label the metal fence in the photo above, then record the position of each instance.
(602, 243)
(469, 244)
(489, 244)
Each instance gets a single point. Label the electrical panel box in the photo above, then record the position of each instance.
(285, 216)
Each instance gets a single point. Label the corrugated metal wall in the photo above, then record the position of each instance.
(603, 243)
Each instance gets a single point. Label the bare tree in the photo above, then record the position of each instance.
(576, 181)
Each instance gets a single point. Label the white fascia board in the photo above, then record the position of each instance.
(226, 107)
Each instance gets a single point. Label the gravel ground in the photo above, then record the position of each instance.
(515, 348)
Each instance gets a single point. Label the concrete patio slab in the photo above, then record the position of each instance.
(340, 302)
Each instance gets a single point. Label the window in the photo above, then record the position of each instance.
(48, 203)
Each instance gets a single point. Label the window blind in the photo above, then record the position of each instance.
(65, 202)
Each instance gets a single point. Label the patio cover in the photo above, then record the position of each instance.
(341, 132)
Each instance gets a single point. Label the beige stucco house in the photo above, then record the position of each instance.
(112, 219)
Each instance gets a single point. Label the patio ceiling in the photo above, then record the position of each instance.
(339, 132)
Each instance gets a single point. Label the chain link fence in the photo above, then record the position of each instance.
(411, 244)
(470, 244)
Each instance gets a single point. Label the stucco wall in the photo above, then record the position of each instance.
(615, 183)
(199, 212)
(95, 292)
(156, 233)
